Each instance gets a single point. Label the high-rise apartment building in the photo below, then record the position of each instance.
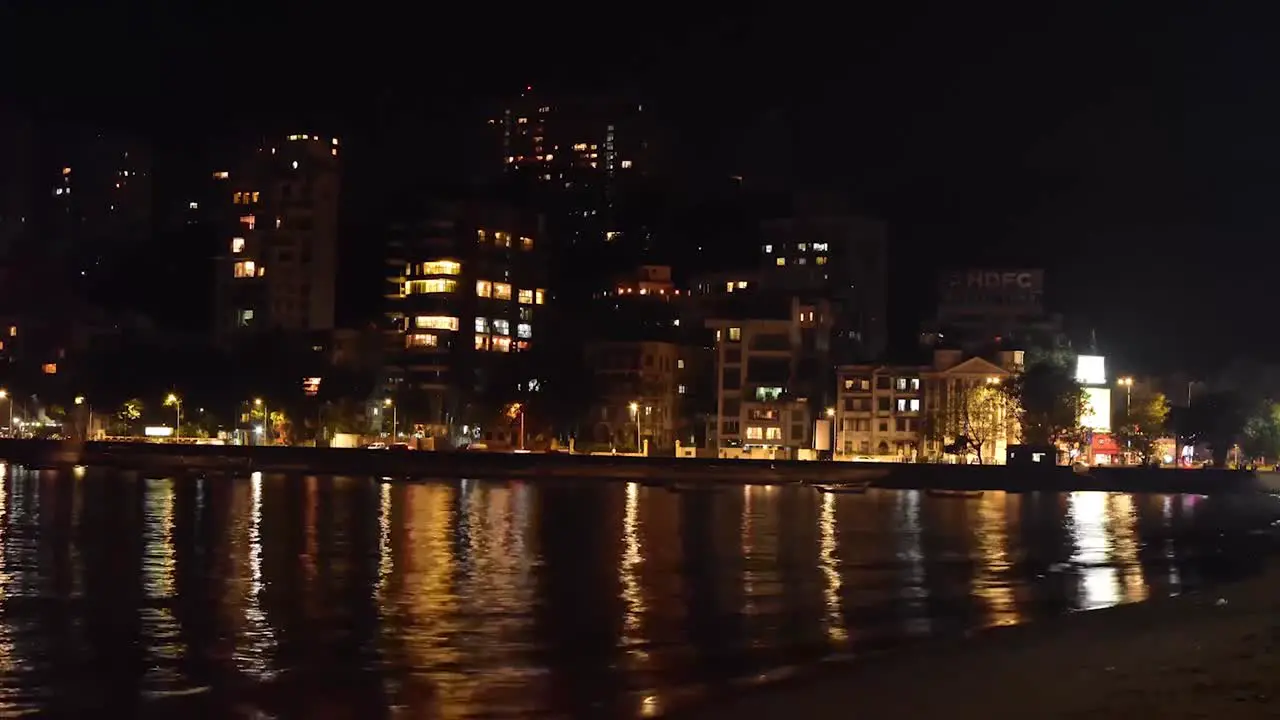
(823, 250)
(17, 163)
(467, 302)
(584, 162)
(573, 140)
(278, 224)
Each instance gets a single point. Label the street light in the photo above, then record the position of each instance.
(831, 414)
(88, 426)
(391, 404)
(1127, 384)
(4, 394)
(176, 402)
(262, 429)
(512, 412)
(635, 416)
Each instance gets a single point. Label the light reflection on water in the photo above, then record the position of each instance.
(491, 599)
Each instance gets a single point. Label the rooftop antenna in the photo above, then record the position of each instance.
(1093, 341)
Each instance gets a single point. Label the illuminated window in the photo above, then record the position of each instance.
(261, 271)
(221, 175)
(482, 325)
(429, 287)
(482, 342)
(245, 269)
(502, 291)
(237, 198)
(537, 296)
(13, 331)
(682, 389)
(735, 334)
(502, 344)
(436, 322)
(441, 267)
(502, 239)
(680, 364)
(819, 247)
(526, 297)
(821, 260)
(755, 433)
(773, 433)
(50, 368)
(626, 164)
(248, 221)
(246, 317)
(781, 261)
(526, 243)
(501, 326)
(484, 288)
(728, 287)
(421, 340)
(237, 245)
(480, 236)
(256, 195)
(524, 330)
(66, 171)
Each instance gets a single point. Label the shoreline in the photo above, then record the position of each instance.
(414, 465)
(1212, 654)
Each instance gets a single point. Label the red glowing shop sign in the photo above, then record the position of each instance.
(1104, 444)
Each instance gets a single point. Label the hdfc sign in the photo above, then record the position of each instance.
(977, 289)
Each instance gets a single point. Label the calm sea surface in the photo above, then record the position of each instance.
(353, 597)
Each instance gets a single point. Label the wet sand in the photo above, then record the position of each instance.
(1212, 655)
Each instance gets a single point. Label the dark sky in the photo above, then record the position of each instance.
(1131, 150)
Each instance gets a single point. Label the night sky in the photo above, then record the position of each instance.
(1132, 152)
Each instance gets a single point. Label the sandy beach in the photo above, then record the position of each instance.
(1211, 655)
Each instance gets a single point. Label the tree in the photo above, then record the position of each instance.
(1144, 424)
(127, 417)
(982, 418)
(1260, 437)
(1048, 404)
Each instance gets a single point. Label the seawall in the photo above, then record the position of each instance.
(422, 465)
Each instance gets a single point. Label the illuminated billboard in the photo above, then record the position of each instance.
(1097, 416)
(1091, 370)
(1017, 291)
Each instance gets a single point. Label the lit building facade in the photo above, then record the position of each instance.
(278, 229)
(467, 303)
(770, 363)
(879, 410)
(919, 412)
(962, 399)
